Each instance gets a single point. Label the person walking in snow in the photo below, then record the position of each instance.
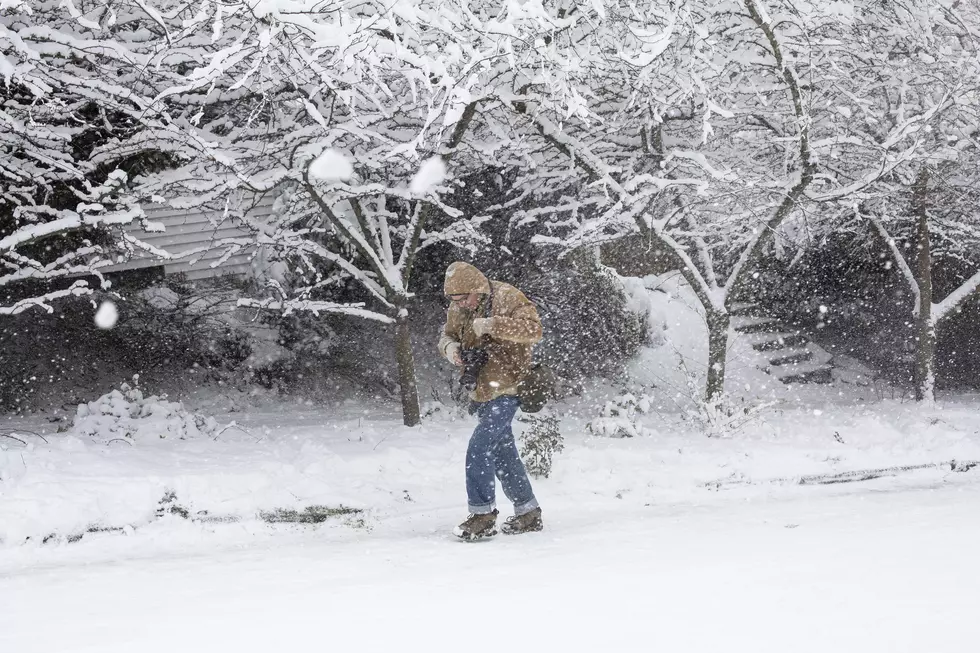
(495, 325)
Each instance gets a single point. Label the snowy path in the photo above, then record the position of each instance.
(830, 570)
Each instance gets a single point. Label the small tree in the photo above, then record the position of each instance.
(922, 59)
(958, 237)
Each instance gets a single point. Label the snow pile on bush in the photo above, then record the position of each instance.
(619, 417)
(126, 414)
(539, 443)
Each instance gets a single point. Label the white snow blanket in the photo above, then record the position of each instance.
(637, 552)
(141, 528)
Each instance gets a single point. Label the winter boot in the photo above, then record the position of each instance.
(526, 523)
(476, 527)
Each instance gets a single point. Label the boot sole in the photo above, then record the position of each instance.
(470, 537)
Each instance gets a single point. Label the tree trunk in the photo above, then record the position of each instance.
(406, 369)
(717, 353)
(925, 350)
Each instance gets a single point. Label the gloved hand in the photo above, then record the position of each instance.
(482, 326)
(452, 354)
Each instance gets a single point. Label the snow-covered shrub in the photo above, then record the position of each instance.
(18, 381)
(591, 328)
(126, 414)
(618, 417)
(720, 416)
(182, 324)
(169, 505)
(327, 354)
(723, 416)
(539, 442)
(163, 331)
(309, 337)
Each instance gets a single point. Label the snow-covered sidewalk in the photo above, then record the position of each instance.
(669, 541)
(885, 566)
(291, 457)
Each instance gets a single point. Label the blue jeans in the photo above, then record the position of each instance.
(492, 454)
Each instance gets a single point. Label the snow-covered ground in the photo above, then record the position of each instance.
(145, 527)
(888, 566)
(294, 456)
(641, 549)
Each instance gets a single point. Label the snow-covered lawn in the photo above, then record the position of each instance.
(886, 567)
(670, 541)
(290, 456)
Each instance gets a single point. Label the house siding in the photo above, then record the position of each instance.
(194, 229)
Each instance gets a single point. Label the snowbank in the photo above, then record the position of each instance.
(127, 415)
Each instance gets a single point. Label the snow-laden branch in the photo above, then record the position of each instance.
(420, 217)
(134, 243)
(155, 17)
(599, 173)
(35, 232)
(704, 254)
(368, 253)
(288, 306)
(44, 301)
(944, 308)
(710, 297)
(594, 166)
(797, 186)
(900, 261)
(939, 311)
(889, 162)
(63, 267)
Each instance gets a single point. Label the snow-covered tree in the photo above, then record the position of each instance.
(919, 58)
(349, 113)
(63, 89)
(702, 127)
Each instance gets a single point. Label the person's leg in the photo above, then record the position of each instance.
(494, 419)
(507, 463)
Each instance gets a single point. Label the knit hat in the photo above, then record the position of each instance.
(463, 279)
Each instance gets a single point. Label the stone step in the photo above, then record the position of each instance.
(807, 353)
(791, 356)
(778, 340)
(742, 308)
(807, 373)
(750, 324)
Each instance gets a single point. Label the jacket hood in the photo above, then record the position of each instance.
(462, 278)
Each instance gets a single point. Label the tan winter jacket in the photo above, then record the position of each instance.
(514, 328)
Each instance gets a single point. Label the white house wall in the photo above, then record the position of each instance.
(193, 229)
